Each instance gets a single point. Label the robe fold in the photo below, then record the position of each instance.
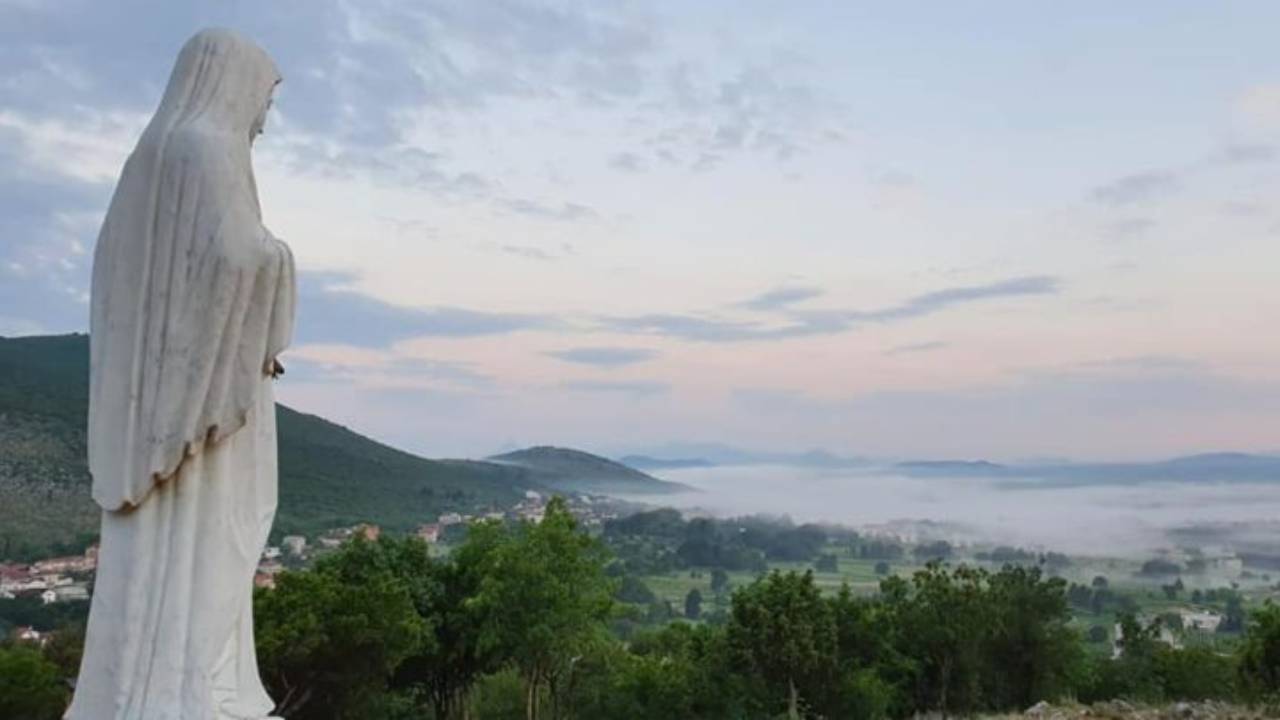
(192, 300)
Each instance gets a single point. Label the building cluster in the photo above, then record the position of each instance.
(64, 579)
(60, 579)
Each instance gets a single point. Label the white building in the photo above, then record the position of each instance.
(294, 544)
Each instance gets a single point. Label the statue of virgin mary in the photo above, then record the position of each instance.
(192, 301)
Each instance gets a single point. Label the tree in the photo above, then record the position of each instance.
(1233, 615)
(693, 604)
(719, 580)
(633, 590)
(783, 634)
(547, 597)
(329, 639)
(445, 671)
(30, 688)
(1030, 647)
(940, 625)
(826, 563)
(934, 551)
(1260, 652)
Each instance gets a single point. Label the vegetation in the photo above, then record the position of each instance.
(515, 623)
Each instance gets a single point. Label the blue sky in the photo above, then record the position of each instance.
(978, 229)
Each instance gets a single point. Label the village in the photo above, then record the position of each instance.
(68, 578)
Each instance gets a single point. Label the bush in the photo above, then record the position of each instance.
(30, 688)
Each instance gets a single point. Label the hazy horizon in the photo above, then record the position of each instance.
(1105, 520)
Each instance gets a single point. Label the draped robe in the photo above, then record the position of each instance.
(192, 300)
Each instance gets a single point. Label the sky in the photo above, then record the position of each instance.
(931, 230)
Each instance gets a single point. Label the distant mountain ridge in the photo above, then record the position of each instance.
(578, 471)
(1205, 467)
(718, 454)
(644, 462)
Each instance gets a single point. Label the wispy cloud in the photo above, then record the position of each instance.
(1136, 188)
(329, 311)
(801, 323)
(919, 347)
(527, 252)
(781, 297)
(604, 356)
(633, 387)
(565, 212)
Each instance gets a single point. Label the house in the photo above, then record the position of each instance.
(48, 597)
(72, 593)
(1204, 620)
(430, 533)
(264, 580)
(68, 564)
(533, 495)
(369, 531)
(29, 635)
(452, 518)
(294, 544)
(270, 552)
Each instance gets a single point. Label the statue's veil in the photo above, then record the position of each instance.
(192, 299)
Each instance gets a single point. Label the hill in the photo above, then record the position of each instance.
(577, 471)
(329, 475)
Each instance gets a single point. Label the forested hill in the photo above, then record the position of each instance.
(574, 470)
(329, 475)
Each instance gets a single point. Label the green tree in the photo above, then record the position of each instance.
(783, 633)
(546, 596)
(719, 580)
(445, 671)
(329, 639)
(1260, 652)
(1031, 650)
(693, 604)
(938, 621)
(30, 686)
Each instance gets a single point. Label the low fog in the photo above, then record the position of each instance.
(1104, 520)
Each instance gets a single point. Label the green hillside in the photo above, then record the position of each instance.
(329, 475)
(577, 471)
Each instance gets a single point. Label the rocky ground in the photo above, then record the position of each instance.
(1121, 710)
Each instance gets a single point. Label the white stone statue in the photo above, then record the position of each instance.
(192, 301)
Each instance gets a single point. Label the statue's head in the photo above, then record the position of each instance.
(223, 81)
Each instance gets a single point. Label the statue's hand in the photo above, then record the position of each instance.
(276, 369)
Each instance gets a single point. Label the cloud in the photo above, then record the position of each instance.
(932, 302)
(330, 312)
(635, 387)
(1249, 154)
(919, 347)
(604, 356)
(566, 212)
(1128, 228)
(781, 297)
(379, 369)
(1136, 188)
(628, 162)
(802, 323)
(527, 252)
